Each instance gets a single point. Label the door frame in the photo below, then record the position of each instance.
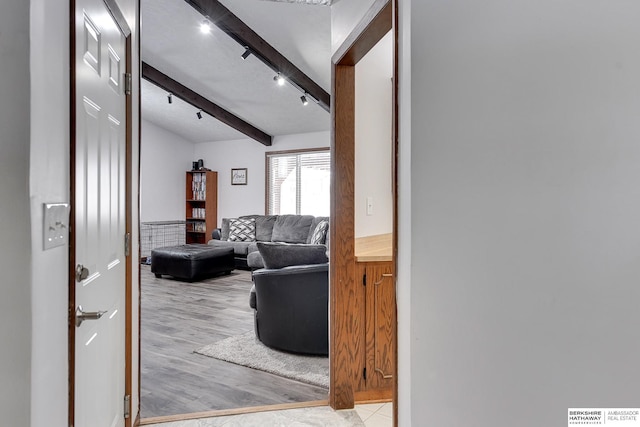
(118, 17)
(343, 344)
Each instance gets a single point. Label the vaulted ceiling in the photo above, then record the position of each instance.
(211, 65)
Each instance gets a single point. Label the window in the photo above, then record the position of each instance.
(298, 182)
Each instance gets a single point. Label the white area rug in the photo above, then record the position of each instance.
(246, 350)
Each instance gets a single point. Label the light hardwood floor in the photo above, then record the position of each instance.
(178, 318)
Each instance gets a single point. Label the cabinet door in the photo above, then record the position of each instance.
(380, 328)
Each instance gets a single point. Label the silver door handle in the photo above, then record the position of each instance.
(81, 316)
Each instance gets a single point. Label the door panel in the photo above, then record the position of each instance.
(99, 200)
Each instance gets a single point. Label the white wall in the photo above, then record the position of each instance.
(373, 137)
(525, 206)
(222, 156)
(15, 258)
(164, 159)
(403, 263)
(49, 182)
(345, 15)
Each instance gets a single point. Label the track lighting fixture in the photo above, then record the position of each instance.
(304, 99)
(279, 79)
(246, 53)
(199, 114)
(205, 27)
(170, 98)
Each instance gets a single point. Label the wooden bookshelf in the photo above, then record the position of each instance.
(201, 207)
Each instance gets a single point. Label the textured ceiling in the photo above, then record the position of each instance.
(211, 65)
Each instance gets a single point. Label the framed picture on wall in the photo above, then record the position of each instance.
(239, 176)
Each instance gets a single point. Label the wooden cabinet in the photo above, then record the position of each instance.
(378, 315)
(201, 211)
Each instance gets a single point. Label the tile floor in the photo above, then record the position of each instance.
(369, 415)
(376, 414)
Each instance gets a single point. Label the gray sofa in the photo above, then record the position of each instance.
(300, 229)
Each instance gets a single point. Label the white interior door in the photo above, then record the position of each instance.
(100, 161)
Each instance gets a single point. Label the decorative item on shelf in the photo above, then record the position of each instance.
(194, 166)
(239, 176)
(200, 164)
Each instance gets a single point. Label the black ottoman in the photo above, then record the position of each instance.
(191, 262)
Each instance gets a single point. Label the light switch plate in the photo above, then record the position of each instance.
(369, 205)
(56, 225)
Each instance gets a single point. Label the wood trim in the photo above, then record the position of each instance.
(394, 189)
(128, 346)
(179, 90)
(375, 396)
(72, 215)
(344, 342)
(138, 167)
(376, 22)
(235, 28)
(367, 400)
(227, 412)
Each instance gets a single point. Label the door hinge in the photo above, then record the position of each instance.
(364, 373)
(127, 244)
(127, 406)
(127, 83)
(364, 279)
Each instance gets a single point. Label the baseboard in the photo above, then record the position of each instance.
(237, 411)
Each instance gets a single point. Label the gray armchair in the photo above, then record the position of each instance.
(292, 308)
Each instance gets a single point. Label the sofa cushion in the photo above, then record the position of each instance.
(240, 249)
(319, 235)
(278, 255)
(264, 227)
(291, 228)
(242, 230)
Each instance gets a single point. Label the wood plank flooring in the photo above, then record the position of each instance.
(179, 317)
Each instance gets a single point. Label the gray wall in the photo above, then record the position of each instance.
(15, 258)
(525, 195)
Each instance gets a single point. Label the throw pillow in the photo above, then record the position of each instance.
(279, 255)
(242, 230)
(320, 233)
(224, 229)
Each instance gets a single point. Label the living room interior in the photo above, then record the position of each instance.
(173, 137)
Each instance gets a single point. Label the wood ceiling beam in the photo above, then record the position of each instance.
(235, 28)
(181, 91)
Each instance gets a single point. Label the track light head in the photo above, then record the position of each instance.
(246, 53)
(199, 114)
(304, 100)
(279, 79)
(170, 98)
(205, 27)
